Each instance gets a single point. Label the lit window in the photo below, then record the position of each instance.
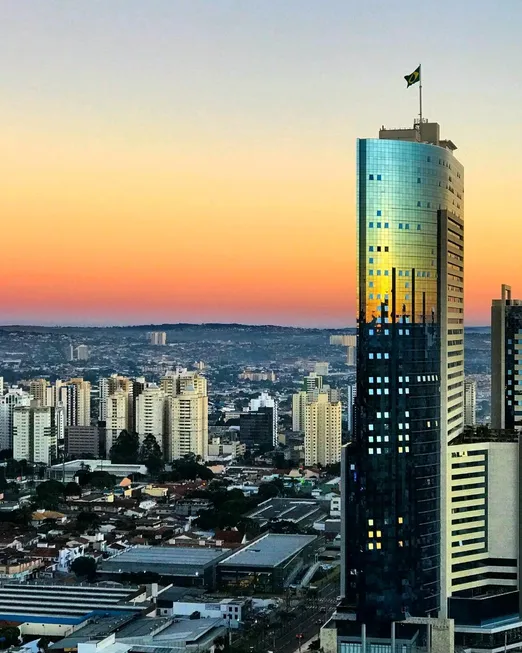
(400, 449)
(370, 522)
(370, 546)
(378, 545)
(378, 534)
(400, 520)
(370, 533)
(401, 543)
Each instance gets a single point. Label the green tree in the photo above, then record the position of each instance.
(151, 456)
(9, 636)
(87, 521)
(50, 494)
(101, 480)
(84, 567)
(125, 448)
(72, 489)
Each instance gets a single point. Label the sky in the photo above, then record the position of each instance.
(194, 160)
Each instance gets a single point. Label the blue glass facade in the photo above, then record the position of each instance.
(392, 496)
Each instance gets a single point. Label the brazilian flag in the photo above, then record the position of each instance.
(414, 77)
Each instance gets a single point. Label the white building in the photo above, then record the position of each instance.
(470, 402)
(188, 428)
(34, 434)
(323, 431)
(14, 397)
(151, 407)
(117, 416)
(157, 338)
(78, 406)
(321, 368)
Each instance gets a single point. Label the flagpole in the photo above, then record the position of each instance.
(420, 96)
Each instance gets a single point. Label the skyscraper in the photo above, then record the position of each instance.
(14, 397)
(151, 414)
(117, 418)
(506, 361)
(323, 430)
(187, 414)
(470, 402)
(34, 434)
(410, 352)
(78, 393)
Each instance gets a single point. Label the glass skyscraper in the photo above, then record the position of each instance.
(410, 374)
(506, 362)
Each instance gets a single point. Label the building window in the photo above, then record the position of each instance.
(370, 177)
(379, 212)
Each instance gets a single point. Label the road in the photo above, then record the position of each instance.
(307, 620)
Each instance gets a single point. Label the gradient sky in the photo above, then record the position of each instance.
(194, 160)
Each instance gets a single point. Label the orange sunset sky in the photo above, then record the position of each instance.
(194, 160)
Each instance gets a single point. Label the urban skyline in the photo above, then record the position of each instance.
(186, 133)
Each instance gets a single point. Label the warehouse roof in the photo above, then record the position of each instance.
(270, 550)
(166, 560)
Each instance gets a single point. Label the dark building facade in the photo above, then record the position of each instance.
(256, 428)
(506, 362)
(409, 374)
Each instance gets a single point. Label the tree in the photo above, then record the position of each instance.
(84, 567)
(72, 489)
(101, 480)
(50, 494)
(87, 521)
(125, 448)
(9, 636)
(151, 456)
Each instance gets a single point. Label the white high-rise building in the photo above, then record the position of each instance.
(470, 402)
(103, 393)
(351, 356)
(38, 389)
(323, 431)
(350, 402)
(117, 418)
(158, 338)
(78, 404)
(321, 368)
(151, 407)
(82, 353)
(34, 434)
(188, 431)
(1, 386)
(14, 397)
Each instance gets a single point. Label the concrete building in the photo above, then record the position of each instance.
(34, 434)
(267, 401)
(157, 338)
(344, 340)
(351, 356)
(506, 361)
(80, 353)
(470, 402)
(38, 389)
(185, 566)
(321, 368)
(187, 415)
(188, 427)
(267, 564)
(350, 404)
(69, 470)
(14, 397)
(117, 418)
(82, 441)
(151, 414)
(57, 610)
(78, 402)
(323, 431)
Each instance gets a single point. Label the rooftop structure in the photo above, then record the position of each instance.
(65, 604)
(303, 512)
(270, 550)
(180, 564)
